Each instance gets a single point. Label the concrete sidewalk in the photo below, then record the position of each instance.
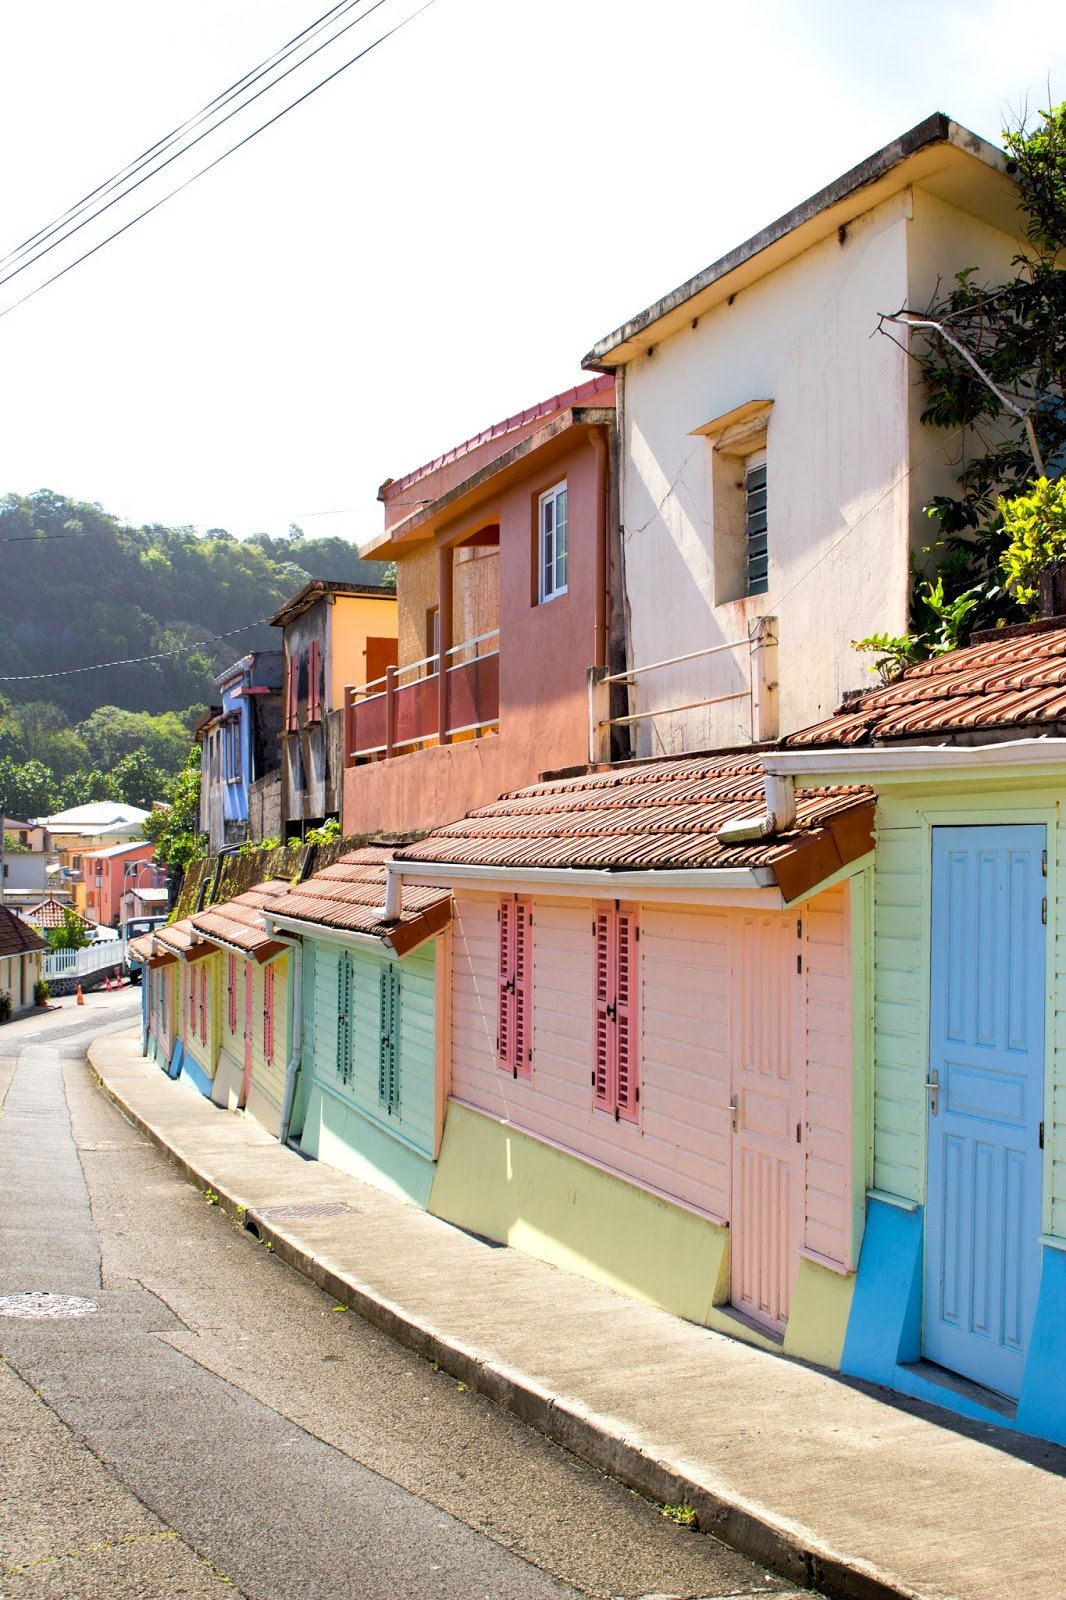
(835, 1485)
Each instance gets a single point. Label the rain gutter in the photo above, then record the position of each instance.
(888, 761)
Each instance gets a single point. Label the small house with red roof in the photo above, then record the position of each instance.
(21, 960)
(960, 1292)
(508, 588)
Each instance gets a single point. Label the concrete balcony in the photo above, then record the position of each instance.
(416, 706)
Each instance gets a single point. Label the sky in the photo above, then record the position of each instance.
(431, 241)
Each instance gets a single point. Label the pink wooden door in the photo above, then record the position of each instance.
(249, 1029)
(768, 1051)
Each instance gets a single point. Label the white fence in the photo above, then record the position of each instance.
(107, 953)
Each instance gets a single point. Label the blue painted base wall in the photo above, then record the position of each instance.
(195, 1073)
(884, 1335)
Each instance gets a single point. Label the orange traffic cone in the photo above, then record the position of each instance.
(107, 982)
(79, 997)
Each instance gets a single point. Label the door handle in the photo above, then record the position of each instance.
(733, 1110)
(932, 1083)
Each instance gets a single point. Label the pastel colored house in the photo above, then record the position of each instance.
(95, 826)
(241, 1045)
(505, 573)
(52, 913)
(961, 1290)
(159, 997)
(335, 634)
(239, 744)
(110, 875)
(21, 959)
(774, 465)
(373, 1054)
(658, 1069)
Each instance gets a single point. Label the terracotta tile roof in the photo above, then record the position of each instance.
(181, 938)
(16, 936)
(1015, 678)
(141, 947)
(237, 922)
(599, 388)
(349, 896)
(660, 815)
(51, 912)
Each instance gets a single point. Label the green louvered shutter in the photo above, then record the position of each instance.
(389, 1053)
(344, 1017)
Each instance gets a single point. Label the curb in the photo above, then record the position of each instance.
(594, 1439)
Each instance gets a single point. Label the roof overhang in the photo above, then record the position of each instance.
(880, 764)
(397, 940)
(952, 163)
(537, 449)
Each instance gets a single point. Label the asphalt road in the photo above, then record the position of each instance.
(215, 1427)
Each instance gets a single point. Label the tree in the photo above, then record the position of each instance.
(27, 789)
(72, 934)
(175, 831)
(1015, 334)
(139, 781)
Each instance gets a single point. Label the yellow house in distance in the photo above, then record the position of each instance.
(335, 634)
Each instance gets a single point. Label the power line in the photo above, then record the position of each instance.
(132, 661)
(130, 188)
(168, 139)
(396, 28)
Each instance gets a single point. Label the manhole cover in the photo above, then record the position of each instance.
(324, 1208)
(38, 1304)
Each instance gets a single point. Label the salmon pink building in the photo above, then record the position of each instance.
(121, 869)
(507, 589)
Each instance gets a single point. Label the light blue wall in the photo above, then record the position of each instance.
(347, 1124)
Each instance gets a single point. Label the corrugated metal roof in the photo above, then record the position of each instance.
(660, 815)
(349, 897)
(1012, 679)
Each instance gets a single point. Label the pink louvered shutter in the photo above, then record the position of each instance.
(203, 1003)
(231, 977)
(522, 995)
(603, 1068)
(314, 697)
(627, 1010)
(268, 1014)
(505, 1022)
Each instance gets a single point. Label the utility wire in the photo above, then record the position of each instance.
(132, 661)
(46, 249)
(168, 139)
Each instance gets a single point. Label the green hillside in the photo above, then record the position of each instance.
(78, 588)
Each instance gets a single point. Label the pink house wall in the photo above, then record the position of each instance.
(545, 653)
(690, 966)
(104, 904)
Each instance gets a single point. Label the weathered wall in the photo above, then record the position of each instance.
(842, 503)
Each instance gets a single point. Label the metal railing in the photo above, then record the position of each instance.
(760, 690)
(410, 706)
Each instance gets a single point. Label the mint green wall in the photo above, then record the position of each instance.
(346, 1124)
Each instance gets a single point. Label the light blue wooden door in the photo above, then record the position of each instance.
(986, 1058)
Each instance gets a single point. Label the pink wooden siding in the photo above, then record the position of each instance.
(827, 1142)
(767, 1050)
(690, 964)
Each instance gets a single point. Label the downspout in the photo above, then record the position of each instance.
(292, 1066)
(600, 646)
(779, 816)
(393, 907)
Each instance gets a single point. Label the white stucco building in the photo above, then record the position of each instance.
(774, 464)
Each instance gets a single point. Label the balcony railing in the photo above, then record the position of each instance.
(758, 687)
(409, 707)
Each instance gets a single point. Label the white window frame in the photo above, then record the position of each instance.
(550, 557)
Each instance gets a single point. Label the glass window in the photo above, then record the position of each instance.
(553, 542)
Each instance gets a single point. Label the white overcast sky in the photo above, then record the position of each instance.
(435, 238)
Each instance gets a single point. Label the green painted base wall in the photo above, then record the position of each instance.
(818, 1320)
(510, 1187)
(334, 1131)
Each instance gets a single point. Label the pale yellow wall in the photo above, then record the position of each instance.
(354, 619)
(475, 595)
